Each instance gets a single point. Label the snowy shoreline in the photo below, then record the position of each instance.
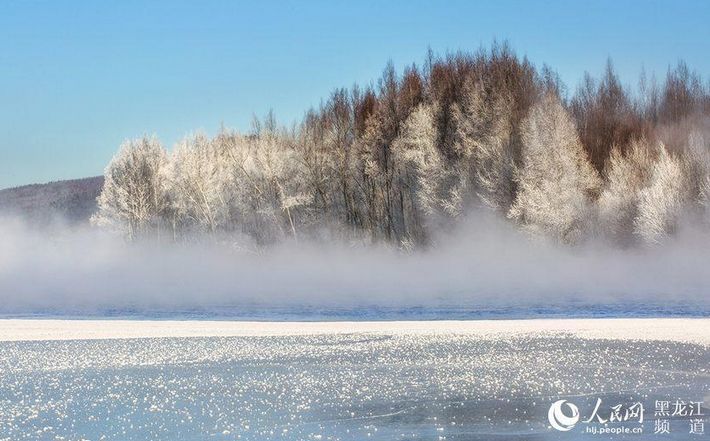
(685, 330)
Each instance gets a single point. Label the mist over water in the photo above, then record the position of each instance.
(484, 268)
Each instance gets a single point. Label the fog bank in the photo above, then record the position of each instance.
(482, 262)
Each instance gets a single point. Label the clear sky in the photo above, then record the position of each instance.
(78, 77)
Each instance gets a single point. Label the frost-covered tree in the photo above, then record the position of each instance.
(417, 152)
(420, 170)
(696, 169)
(282, 180)
(484, 144)
(661, 202)
(468, 121)
(495, 161)
(134, 197)
(626, 175)
(556, 183)
(705, 199)
(199, 184)
(268, 185)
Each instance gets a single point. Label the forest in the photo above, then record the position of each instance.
(413, 154)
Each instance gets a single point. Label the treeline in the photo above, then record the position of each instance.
(421, 149)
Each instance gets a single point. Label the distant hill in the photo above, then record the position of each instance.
(73, 200)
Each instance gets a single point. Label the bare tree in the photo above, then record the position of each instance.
(605, 116)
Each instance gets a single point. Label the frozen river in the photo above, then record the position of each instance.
(425, 380)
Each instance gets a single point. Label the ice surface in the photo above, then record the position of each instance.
(337, 386)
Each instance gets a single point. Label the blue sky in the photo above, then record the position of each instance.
(76, 78)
